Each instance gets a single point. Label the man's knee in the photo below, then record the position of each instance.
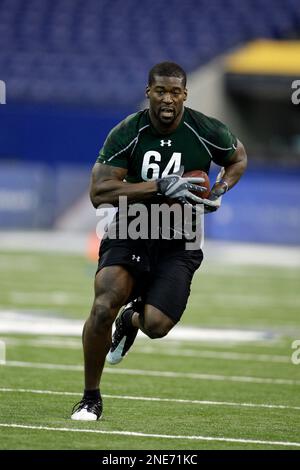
(112, 288)
(102, 315)
(156, 331)
(155, 323)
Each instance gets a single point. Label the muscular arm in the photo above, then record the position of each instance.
(107, 185)
(227, 178)
(236, 166)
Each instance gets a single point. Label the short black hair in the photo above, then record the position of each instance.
(167, 69)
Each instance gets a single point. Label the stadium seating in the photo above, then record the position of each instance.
(97, 52)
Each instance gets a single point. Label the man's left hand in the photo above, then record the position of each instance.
(213, 202)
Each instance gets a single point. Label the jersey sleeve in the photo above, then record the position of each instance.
(223, 143)
(117, 147)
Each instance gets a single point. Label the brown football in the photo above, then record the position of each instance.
(199, 174)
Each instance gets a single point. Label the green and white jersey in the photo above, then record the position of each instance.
(136, 145)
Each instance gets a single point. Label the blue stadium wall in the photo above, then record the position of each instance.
(54, 135)
(264, 208)
(46, 155)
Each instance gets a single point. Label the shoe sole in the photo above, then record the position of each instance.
(74, 418)
(115, 356)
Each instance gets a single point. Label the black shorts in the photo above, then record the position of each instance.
(163, 270)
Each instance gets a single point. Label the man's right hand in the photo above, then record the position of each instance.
(178, 187)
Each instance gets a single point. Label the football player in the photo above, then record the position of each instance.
(142, 159)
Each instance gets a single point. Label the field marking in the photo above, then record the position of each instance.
(24, 263)
(52, 298)
(158, 436)
(155, 399)
(238, 271)
(24, 322)
(248, 300)
(54, 343)
(217, 252)
(231, 356)
(70, 298)
(2, 352)
(207, 354)
(65, 298)
(156, 373)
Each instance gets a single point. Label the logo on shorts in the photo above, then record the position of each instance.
(136, 258)
(166, 142)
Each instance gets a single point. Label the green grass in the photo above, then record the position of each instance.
(235, 296)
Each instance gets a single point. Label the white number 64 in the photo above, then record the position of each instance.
(150, 169)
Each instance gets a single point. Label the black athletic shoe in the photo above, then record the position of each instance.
(124, 334)
(87, 410)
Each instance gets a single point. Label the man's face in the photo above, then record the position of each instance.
(166, 95)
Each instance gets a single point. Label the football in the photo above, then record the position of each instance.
(199, 174)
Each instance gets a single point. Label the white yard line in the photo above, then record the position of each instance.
(158, 436)
(49, 298)
(223, 355)
(228, 356)
(67, 343)
(249, 300)
(24, 322)
(42, 365)
(44, 242)
(155, 399)
(236, 253)
(284, 273)
(155, 373)
(216, 252)
(48, 342)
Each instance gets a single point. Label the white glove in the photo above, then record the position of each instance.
(177, 187)
(213, 202)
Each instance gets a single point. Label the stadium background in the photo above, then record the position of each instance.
(72, 70)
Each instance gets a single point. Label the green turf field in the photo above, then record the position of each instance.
(166, 394)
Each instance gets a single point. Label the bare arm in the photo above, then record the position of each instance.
(227, 178)
(236, 166)
(107, 185)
